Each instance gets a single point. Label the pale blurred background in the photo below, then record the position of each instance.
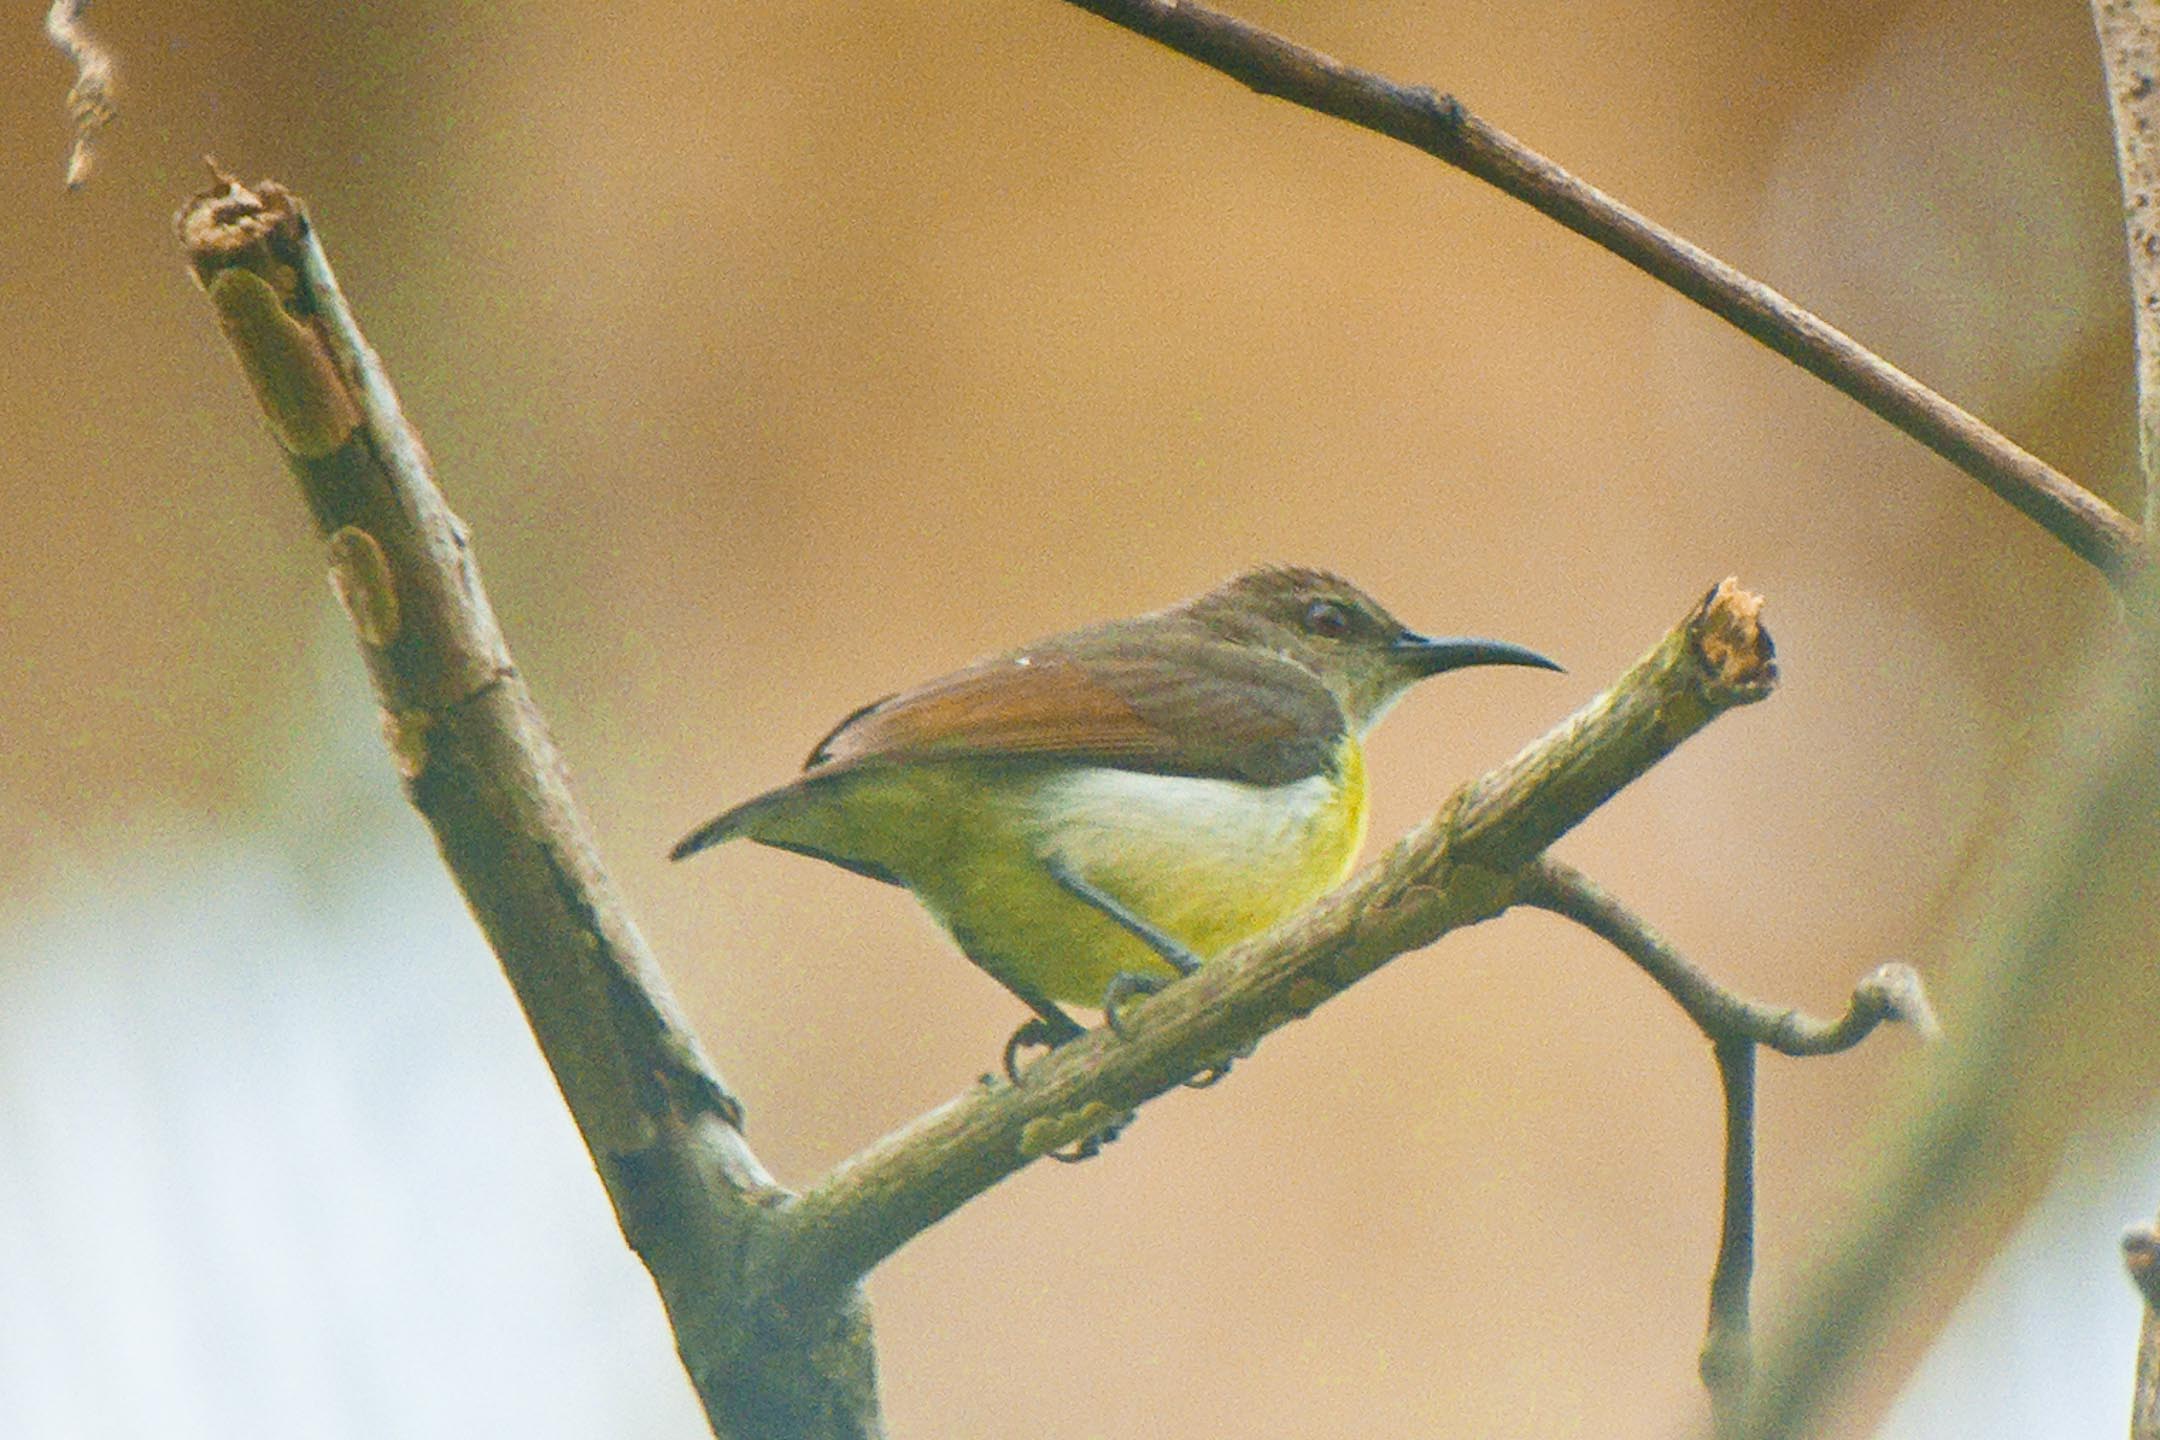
(781, 355)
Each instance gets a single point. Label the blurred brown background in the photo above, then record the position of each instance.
(781, 355)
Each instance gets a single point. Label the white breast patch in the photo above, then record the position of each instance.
(1107, 823)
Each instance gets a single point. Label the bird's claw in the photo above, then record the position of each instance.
(1089, 1148)
(1127, 984)
(1124, 986)
(1035, 1032)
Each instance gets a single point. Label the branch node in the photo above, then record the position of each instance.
(242, 247)
(1445, 110)
(1306, 994)
(406, 733)
(360, 574)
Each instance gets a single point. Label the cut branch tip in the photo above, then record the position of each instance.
(1731, 642)
(245, 248)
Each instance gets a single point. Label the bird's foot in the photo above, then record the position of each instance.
(1089, 1148)
(1127, 984)
(1042, 1031)
(1123, 986)
(1049, 1033)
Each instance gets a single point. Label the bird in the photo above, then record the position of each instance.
(1095, 814)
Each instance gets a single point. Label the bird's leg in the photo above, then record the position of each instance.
(1126, 984)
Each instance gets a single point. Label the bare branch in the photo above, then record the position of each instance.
(1735, 1026)
(2130, 57)
(1891, 992)
(90, 98)
(1455, 870)
(1728, 1353)
(479, 765)
(2092, 529)
(2054, 1035)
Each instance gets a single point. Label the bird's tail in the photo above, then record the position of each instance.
(727, 825)
(805, 818)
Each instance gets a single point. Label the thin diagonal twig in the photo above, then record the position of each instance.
(1891, 992)
(1439, 125)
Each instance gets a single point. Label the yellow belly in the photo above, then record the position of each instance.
(1208, 862)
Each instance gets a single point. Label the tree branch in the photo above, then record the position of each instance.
(479, 765)
(2054, 1034)
(1456, 869)
(2130, 62)
(1892, 992)
(1735, 1026)
(2130, 59)
(1439, 125)
(1727, 1362)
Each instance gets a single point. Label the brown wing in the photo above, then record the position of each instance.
(1176, 705)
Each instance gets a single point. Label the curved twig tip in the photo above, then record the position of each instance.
(1894, 992)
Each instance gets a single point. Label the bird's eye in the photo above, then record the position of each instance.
(1328, 619)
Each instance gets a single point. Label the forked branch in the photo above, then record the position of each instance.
(1735, 1026)
(762, 1288)
(479, 765)
(1890, 992)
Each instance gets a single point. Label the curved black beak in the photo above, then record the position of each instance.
(1435, 655)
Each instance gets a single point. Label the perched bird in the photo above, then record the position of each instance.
(1096, 813)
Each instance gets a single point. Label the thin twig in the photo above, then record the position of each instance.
(479, 765)
(1728, 1353)
(1440, 126)
(1455, 870)
(1735, 1026)
(90, 98)
(2130, 59)
(1890, 992)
